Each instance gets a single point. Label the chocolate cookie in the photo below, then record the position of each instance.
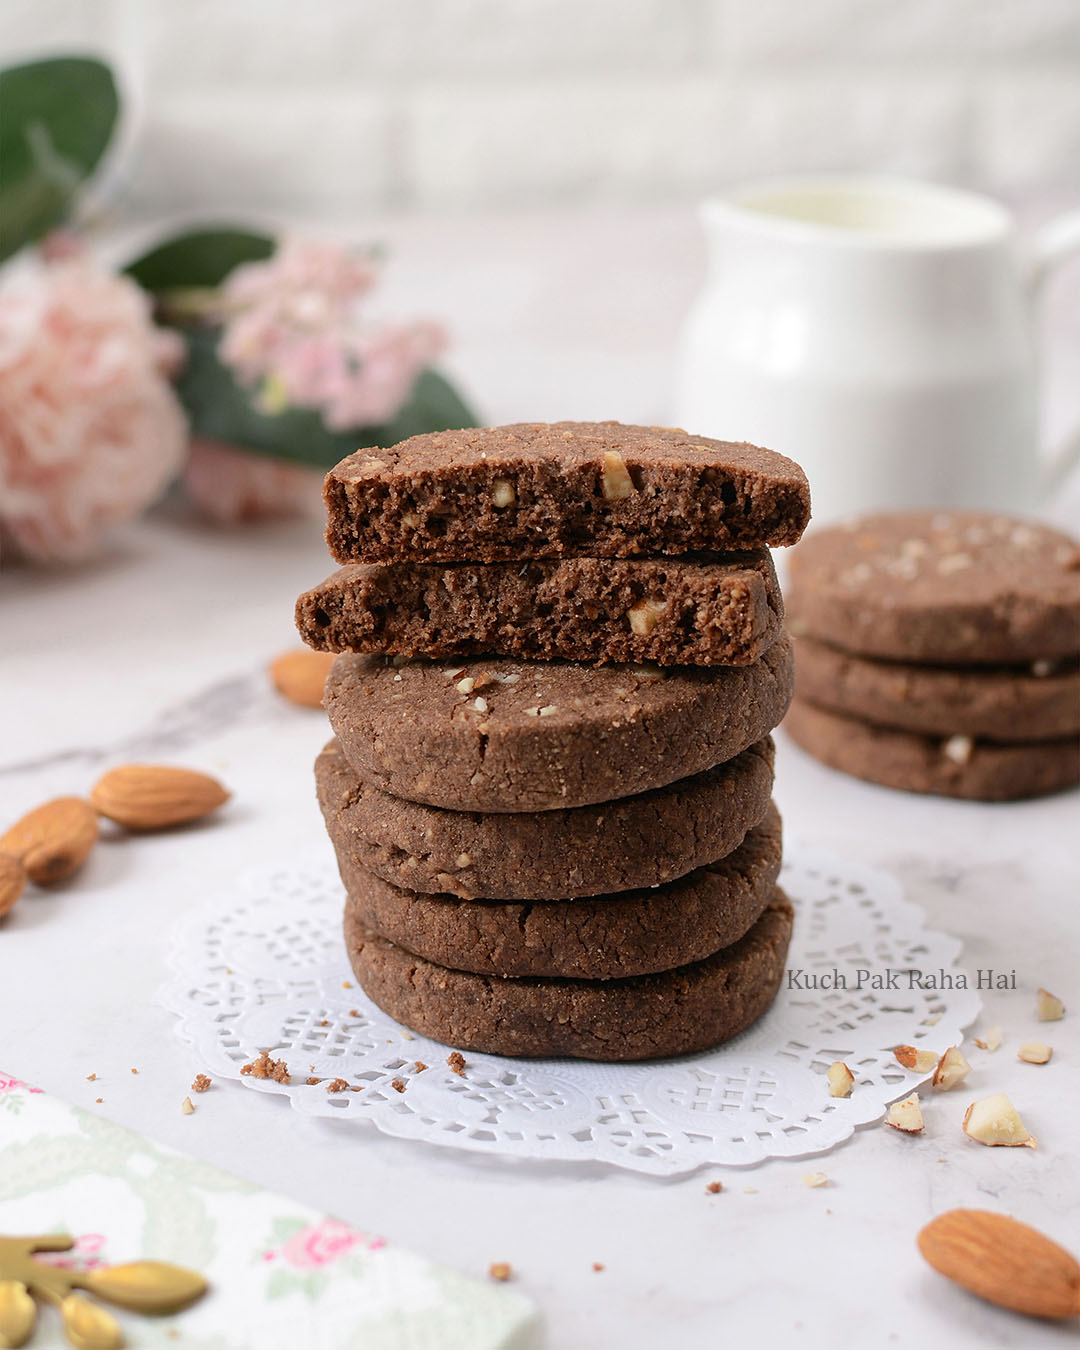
(946, 588)
(953, 767)
(1001, 703)
(610, 937)
(546, 855)
(572, 489)
(680, 1011)
(719, 610)
(499, 734)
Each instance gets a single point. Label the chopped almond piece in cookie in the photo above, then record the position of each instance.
(990, 1039)
(996, 1122)
(840, 1079)
(1034, 1052)
(201, 1083)
(952, 1068)
(456, 1061)
(906, 1115)
(265, 1067)
(500, 1270)
(922, 1061)
(1048, 1007)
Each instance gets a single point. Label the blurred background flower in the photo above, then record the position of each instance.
(280, 365)
(91, 431)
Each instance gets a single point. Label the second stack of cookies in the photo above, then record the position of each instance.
(550, 788)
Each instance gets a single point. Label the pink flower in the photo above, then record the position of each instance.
(9, 1084)
(90, 430)
(293, 327)
(229, 485)
(84, 1255)
(320, 1244)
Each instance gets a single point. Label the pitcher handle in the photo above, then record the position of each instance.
(1054, 244)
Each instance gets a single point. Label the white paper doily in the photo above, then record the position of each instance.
(264, 967)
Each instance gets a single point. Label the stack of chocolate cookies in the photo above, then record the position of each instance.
(938, 652)
(550, 788)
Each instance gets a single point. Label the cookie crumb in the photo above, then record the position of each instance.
(187, 1107)
(500, 1270)
(419, 1065)
(312, 1082)
(134, 1071)
(91, 1077)
(456, 1061)
(398, 1084)
(99, 1100)
(598, 1265)
(324, 1023)
(346, 984)
(265, 1067)
(354, 1012)
(337, 1085)
(714, 1187)
(201, 1083)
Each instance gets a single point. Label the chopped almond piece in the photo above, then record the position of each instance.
(922, 1061)
(187, 1106)
(952, 1068)
(1048, 1007)
(840, 1079)
(994, 1121)
(990, 1039)
(1034, 1052)
(815, 1179)
(906, 1115)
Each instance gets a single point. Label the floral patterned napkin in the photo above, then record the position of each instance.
(281, 1275)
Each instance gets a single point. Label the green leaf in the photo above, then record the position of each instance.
(57, 120)
(223, 410)
(198, 259)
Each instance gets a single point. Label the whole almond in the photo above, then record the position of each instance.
(54, 840)
(156, 796)
(12, 881)
(301, 675)
(1004, 1261)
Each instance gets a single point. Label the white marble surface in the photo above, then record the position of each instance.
(159, 652)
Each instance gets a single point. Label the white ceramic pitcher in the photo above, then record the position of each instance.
(882, 333)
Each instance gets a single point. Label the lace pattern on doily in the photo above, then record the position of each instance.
(263, 967)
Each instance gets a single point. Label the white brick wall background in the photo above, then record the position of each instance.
(339, 106)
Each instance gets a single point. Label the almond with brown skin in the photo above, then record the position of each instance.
(156, 796)
(12, 881)
(1004, 1261)
(301, 675)
(54, 840)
